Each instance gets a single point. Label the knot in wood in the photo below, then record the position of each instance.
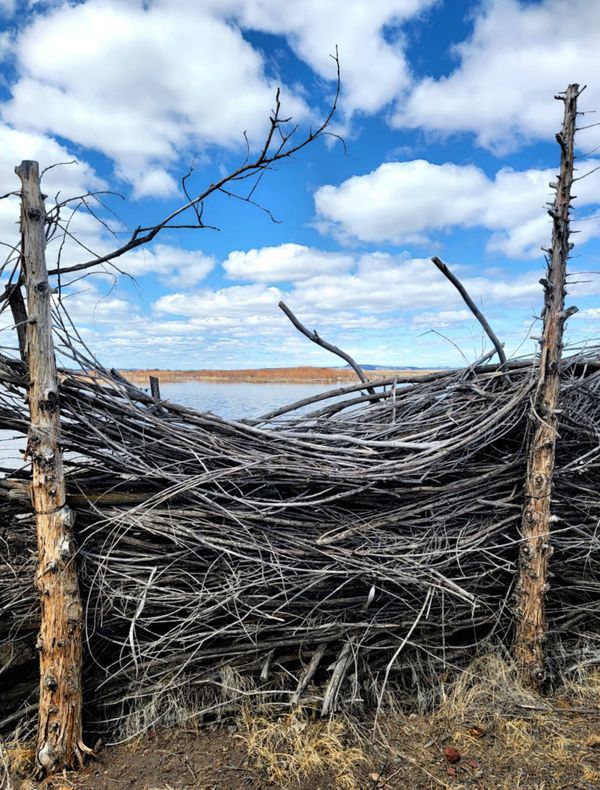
(539, 674)
(34, 213)
(50, 682)
(51, 567)
(50, 402)
(45, 757)
(41, 287)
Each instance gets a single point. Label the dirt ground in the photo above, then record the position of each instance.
(487, 734)
(528, 753)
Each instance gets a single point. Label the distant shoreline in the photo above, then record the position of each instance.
(294, 375)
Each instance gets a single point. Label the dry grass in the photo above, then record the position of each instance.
(301, 375)
(292, 748)
(501, 730)
(20, 758)
(507, 738)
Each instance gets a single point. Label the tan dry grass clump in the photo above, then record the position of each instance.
(292, 748)
(487, 689)
(584, 687)
(20, 758)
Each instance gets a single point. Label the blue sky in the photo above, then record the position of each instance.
(448, 117)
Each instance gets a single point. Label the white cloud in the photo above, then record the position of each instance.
(373, 65)
(173, 265)
(388, 284)
(518, 57)
(224, 305)
(443, 318)
(88, 304)
(287, 263)
(402, 202)
(142, 83)
(379, 284)
(378, 310)
(68, 180)
(7, 7)
(145, 82)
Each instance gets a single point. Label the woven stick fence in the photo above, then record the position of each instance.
(357, 546)
(344, 551)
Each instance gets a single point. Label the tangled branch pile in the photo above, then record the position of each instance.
(329, 553)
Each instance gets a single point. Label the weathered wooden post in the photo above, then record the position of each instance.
(155, 387)
(536, 524)
(59, 742)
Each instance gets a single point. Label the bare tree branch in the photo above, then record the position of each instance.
(316, 338)
(472, 307)
(268, 155)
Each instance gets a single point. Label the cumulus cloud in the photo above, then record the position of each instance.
(141, 82)
(68, 180)
(173, 265)
(224, 304)
(90, 304)
(377, 284)
(284, 263)
(517, 58)
(7, 7)
(379, 307)
(402, 202)
(390, 284)
(443, 318)
(375, 69)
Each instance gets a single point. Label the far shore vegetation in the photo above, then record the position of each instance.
(301, 375)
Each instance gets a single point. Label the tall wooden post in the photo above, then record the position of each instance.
(536, 525)
(60, 639)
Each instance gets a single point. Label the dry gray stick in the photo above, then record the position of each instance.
(316, 338)
(472, 307)
(340, 668)
(309, 673)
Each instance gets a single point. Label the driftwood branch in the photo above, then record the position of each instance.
(316, 338)
(472, 307)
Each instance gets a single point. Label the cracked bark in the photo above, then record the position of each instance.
(532, 583)
(59, 743)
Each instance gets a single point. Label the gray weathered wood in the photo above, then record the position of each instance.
(59, 742)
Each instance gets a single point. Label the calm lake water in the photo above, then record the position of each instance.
(233, 401)
(237, 400)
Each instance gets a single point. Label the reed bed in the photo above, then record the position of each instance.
(347, 552)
